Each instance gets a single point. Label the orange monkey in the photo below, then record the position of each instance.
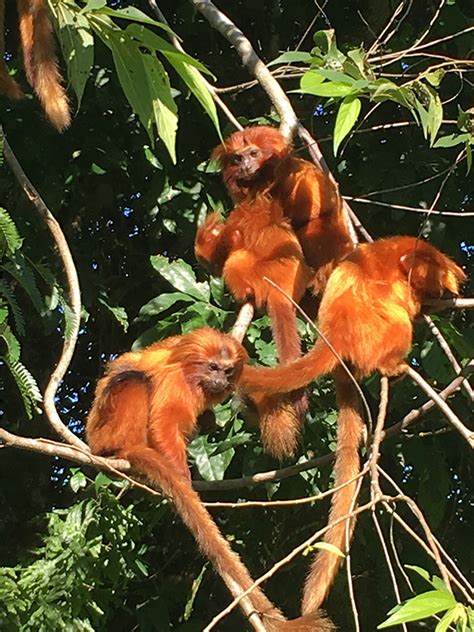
(366, 314)
(255, 242)
(259, 160)
(39, 59)
(145, 408)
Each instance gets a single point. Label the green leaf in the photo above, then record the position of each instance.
(77, 481)
(8, 232)
(451, 140)
(291, 57)
(210, 467)
(311, 84)
(130, 13)
(77, 44)
(186, 67)
(26, 384)
(435, 116)
(13, 347)
(419, 607)
(164, 107)
(434, 77)
(198, 88)
(130, 68)
(181, 276)
(163, 302)
(119, 313)
(346, 118)
(194, 591)
(335, 76)
(325, 546)
(18, 318)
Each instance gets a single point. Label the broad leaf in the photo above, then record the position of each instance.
(346, 118)
(420, 607)
(181, 276)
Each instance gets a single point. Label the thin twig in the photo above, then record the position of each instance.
(388, 560)
(378, 436)
(448, 353)
(397, 557)
(414, 414)
(348, 560)
(74, 297)
(277, 504)
(282, 562)
(412, 209)
(453, 419)
(445, 574)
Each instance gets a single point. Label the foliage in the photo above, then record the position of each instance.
(431, 603)
(337, 76)
(130, 215)
(134, 49)
(14, 266)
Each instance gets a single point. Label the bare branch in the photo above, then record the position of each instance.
(250, 59)
(453, 419)
(448, 353)
(414, 414)
(74, 297)
(378, 436)
(243, 321)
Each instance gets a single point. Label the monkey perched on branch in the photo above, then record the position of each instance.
(260, 160)
(144, 410)
(366, 315)
(39, 59)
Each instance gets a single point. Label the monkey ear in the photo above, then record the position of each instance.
(219, 152)
(416, 267)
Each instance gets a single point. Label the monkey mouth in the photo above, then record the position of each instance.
(216, 388)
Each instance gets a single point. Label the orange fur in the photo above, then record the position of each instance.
(366, 313)
(40, 61)
(145, 408)
(309, 198)
(256, 242)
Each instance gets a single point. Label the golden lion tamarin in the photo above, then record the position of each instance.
(366, 314)
(144, 410)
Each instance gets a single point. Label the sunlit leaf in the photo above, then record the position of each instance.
(346, 118)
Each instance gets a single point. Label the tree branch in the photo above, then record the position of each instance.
(74, 297)
(252, 62)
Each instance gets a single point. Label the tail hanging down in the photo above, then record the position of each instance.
(41, 63)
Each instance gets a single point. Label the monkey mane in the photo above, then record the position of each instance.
(266, 137)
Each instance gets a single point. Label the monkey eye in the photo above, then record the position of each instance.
(236, 159)
(229, 371)
(254, 153)
(213, 366)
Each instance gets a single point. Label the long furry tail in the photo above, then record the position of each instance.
(40, 61)
(281, 418)
(289, 377)
(196, 517)
(349, 437)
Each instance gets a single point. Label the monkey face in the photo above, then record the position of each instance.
(245, 163)
(219, 375)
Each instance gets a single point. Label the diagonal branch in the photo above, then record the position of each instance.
(252, 62)
(453, 419)
(74, 297)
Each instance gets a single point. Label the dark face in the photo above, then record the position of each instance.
(246, 163)
(219, 375)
